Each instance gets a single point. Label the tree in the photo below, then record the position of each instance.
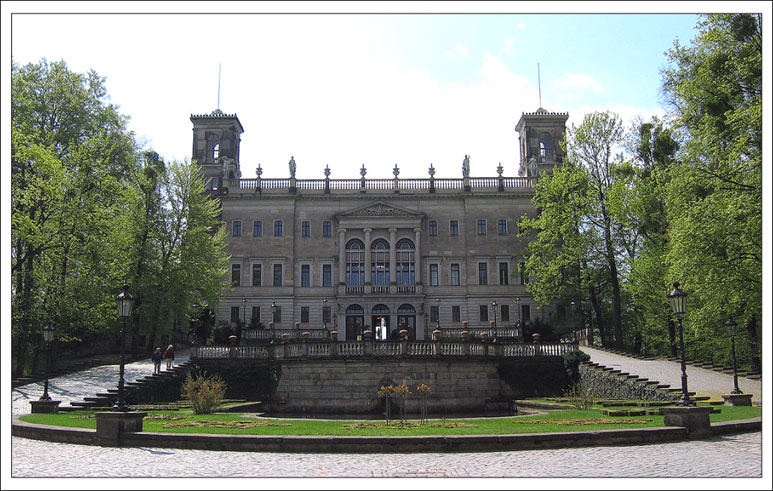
(70, 153)
(714, 205)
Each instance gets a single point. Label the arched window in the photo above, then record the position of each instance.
(355, 309)
(406, 262)
(355, 263)
(379, 262)
(380, 309)
(546, 145)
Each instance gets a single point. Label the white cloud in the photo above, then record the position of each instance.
(521, 25)
(509, 46)
(579, 81)
(458, 51)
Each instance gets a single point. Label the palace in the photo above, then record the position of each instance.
(377, 255)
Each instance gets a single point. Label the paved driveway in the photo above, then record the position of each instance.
(699, 380)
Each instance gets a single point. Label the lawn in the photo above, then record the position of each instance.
(564, 420)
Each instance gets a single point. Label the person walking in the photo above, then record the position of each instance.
(157, 356)
(169, 356)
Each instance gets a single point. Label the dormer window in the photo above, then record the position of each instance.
(546, 145)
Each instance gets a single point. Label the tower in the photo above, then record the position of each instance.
(540, 135)
(216, 139)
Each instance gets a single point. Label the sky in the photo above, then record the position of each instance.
(349, 89)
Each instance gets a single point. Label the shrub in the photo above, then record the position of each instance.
(203, 393)
(572, 362)
(580, 396)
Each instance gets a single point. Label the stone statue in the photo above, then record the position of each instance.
(533, 166)
(292, 166)
(466, 166)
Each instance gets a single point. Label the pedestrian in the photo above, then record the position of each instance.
(169, 356)
(157, 356)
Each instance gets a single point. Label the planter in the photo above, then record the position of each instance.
(535, 337)
(368, 334)
(306, 334)
(465, 334)
(436, 334)
(334, 335)
(484, 336)
(232, 339)
(403, 333)
(285, 337)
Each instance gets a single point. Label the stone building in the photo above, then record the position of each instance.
(363, 254)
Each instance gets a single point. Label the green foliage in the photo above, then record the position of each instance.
(204, 393)
(579, 396)
(572, 362)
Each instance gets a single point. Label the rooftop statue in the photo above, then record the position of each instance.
(292, 166)
(466, 166)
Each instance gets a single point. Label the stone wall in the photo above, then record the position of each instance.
(608, 385)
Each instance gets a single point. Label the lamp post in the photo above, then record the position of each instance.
(124, 302)
(731, 325)
(48, 337)
(677, 298)
(324, 313)
(518, 311)
(574, 323)
(273, 319)
(437, 321)
(244, 312)
(494, 309)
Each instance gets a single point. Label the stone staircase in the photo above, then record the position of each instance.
(75, 366)
(105, 400)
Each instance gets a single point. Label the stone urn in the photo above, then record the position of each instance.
(334, 335)
(465, 334)
(436, 334)
(484, 336)
(232, 339)
(404, 333)
(535, 338)
(297, 325)
(306, 334)
(285, 337)
(367, 334)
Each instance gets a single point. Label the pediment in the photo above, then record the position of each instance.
(381, 209)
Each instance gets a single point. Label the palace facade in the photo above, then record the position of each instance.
(360, 254)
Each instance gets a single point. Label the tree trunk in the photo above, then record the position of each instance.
(597, 310)
(617, 309)
(25, 321)
(754, 350)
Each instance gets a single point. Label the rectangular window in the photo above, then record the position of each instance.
(525, 313)
(503, 275)
(502, 226)
(455, 275)
(482, 226)
(505, 313)
(257, 228)
(456, 313)
(236, 230)
(236, 275)
(305, 314)
(305, 228)
(433, 275)
(305, 275)
(257, 273)
(255, 319)
(277, 314)
(327, 228)
(277, 275)
(234, 315)
(433, 227)
(484, 313)
(453, 227)
(277, 228)
(482, 274)
(434, 313)
(327, 275)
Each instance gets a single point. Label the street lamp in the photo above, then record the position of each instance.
(677, 299)
(324, 313)
(731, 325)
(273, 319)
(124, 302)
(518, 311)
(244, 312)
(574, 323)
(48, 337)
(437, 321)
(494, 308)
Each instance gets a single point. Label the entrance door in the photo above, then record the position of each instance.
(355, 319)
(379, 321)
(406, 319)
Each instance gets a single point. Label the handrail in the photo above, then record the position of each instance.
(393, 349)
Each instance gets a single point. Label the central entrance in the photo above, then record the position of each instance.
(355, 320)
(380, 322)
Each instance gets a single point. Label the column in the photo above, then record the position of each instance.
(367, 255)
(341, 256)
(417, 235)
(392, 255)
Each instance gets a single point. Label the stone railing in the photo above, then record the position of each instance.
(388, 349)
(278, 334)
(474, 333)
(394, 185)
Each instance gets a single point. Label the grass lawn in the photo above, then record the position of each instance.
(564, 420)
